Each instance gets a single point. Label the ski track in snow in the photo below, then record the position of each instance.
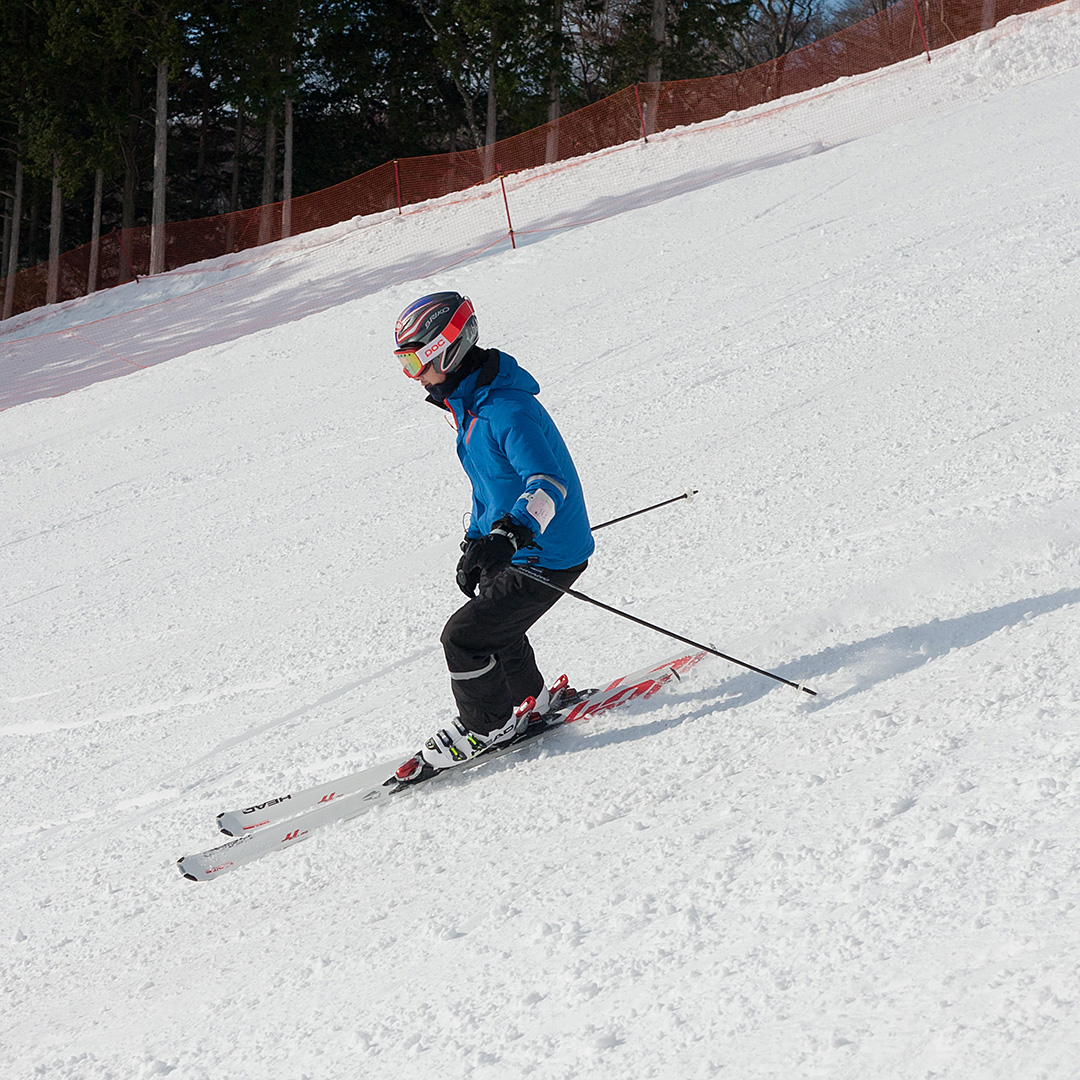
(225, 577)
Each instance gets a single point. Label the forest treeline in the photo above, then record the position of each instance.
(117, 113)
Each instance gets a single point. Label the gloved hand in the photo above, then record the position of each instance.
(486, 556)
(467, 579)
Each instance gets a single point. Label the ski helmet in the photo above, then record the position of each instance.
(438, 329)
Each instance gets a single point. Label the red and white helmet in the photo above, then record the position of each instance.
(438, 329)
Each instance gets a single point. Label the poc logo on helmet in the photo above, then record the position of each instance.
(435, 347)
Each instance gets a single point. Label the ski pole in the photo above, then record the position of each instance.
(688, 495)
(525, 572)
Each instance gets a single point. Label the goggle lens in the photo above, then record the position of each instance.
(411, 364)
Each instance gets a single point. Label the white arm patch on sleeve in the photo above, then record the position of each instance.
(541, 507)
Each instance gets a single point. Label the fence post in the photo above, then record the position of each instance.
(640, 114)
(397, 184)
(922, 29)
(510, 224)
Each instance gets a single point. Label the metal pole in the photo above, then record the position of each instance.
(526, 572)
(922, 29)
(510, 224)
(656, 506)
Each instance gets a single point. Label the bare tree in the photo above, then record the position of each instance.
(848, 12)
(592, 31)
(452, 42)
(555, 80)
(774, 27)
(287, 169)
(16, 222)
(56, 219)
(161, 131)
(269, 182)
(95, 231)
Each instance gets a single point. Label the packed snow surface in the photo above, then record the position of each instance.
(224, 578)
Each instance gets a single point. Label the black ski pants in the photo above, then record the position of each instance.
(492, 665)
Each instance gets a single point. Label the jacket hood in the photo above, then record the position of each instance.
(497, 371)
(511, 376)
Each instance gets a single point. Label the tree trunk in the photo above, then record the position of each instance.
(95, 232)
(56, 217)
(650, 100)
(8, 200)
(200, 161)
(551, 151)
(491, 133)
(161, 128)
(466, 99)
(492, 130)
(286, 180)
(131, 180)
(33, 233)
(658, 33)
(13, 249)
(270, 161)
(266, 215)
(234, 190)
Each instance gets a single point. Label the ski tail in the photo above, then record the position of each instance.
(642, 684)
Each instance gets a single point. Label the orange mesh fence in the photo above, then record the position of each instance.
(419, 218)
(633, 113)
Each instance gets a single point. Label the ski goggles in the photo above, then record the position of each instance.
(411, 361)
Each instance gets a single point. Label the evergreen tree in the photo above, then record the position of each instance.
(367, 81)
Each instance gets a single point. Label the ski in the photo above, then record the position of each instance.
(283, 807)
(286, 820)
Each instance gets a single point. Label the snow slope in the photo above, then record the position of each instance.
(60, 348)
(225, 576)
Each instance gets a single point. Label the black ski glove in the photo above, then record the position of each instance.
(486, 556)
(467, 580)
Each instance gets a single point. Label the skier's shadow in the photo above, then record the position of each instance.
(870, 662)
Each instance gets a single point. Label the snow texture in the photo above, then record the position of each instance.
(224, 577)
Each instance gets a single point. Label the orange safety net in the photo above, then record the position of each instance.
(632, 114)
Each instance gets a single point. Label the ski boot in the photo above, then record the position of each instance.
(456, 744)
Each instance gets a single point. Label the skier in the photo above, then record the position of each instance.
(527, 511)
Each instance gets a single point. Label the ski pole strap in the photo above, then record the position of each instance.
(530, 573)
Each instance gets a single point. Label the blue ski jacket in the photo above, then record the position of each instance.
(518, 464)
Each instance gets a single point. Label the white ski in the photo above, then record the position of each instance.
(286, 820)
